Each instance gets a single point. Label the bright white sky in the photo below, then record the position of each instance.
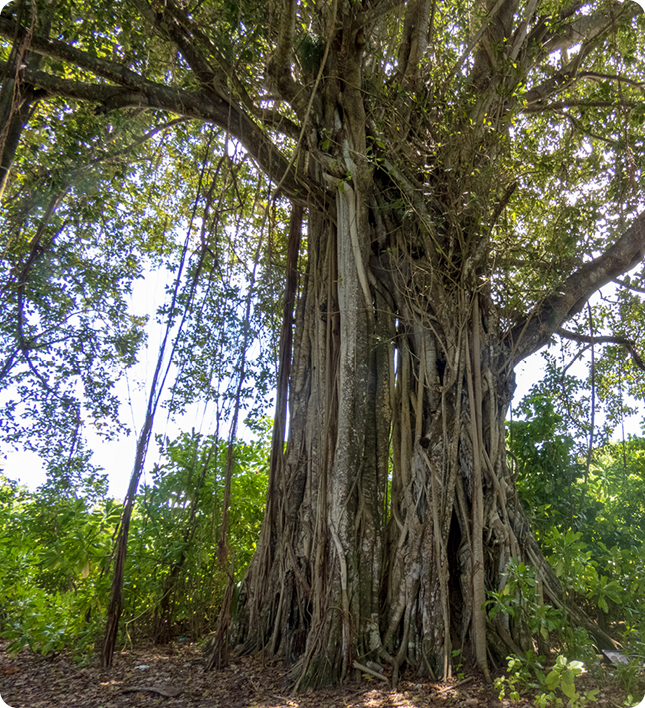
(117, 457)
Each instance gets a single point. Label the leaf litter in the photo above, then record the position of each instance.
(173, 676)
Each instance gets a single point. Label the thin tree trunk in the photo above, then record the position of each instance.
(219, 655)
(115, 605)
(286, 341)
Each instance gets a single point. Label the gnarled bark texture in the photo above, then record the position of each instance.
(393, 508)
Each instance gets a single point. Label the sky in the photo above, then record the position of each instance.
(117, 457)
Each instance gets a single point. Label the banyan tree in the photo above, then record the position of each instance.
(462, 178)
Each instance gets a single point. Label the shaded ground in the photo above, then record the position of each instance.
(31, 681)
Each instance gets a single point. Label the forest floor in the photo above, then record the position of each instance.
(174, 677)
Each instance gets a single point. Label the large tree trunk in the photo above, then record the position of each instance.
(393, 510)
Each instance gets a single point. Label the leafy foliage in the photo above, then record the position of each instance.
(588, 520)
(173, 562)
(55, 548)
(53, 555)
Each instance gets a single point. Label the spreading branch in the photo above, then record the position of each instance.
(132, 90)
(534, 331)
(573, 103)
(581, 29)
(588, 31)
(600, 77)
(192, 36)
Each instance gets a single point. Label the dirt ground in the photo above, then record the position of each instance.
(177, 674)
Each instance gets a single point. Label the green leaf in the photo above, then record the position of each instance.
(567, 684)
(552, 680)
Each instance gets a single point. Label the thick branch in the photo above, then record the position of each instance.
(183, 103)
(582, 29)
(415, 38)
(588, 31)
(482, 60)
(210, 79)
(279, 65)
(559, 81)
(629, 344)
(143, 93)
(56, 49)
(535, 330)
(199, 63)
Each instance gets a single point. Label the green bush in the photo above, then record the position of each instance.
(56, 549)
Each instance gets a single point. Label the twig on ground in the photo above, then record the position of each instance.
(454, 685)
